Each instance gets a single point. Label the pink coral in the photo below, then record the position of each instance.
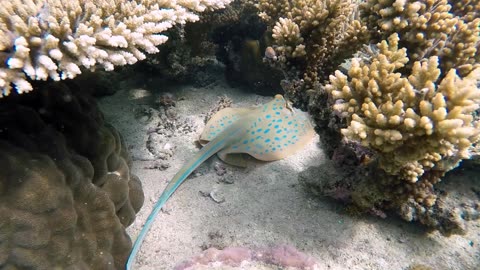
(276, 256)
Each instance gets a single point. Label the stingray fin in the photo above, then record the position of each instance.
(273, 131)
(235, 159)
(220, 121)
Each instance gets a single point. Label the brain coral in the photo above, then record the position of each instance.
(66, 191)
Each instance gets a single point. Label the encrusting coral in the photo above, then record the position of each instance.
(54, 38)
(66, 191)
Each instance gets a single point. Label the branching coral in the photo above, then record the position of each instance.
(312, 36)
(416, 123)
(54, 38)
(431, 27)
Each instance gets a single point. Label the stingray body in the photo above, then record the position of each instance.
(270, 132)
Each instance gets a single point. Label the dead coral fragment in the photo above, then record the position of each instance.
(416, 123)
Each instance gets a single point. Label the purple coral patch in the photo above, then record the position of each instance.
(280, 256)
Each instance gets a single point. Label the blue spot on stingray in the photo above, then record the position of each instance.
(253, 132)
(245, 142)
(258, 130)
(284, 136)
(289, 122)
(251, 140)
(294, 136)
(274, 108)
(281, 108)
(266, 131)
(222, 124)
(277, 113)
(273, 149)
(212, 127)
(266, 151)
(268, 116)
(276, 126)
(258, 137)
(235, 147)
(279, 120)
(278, 131)
(247, 148)
(267, 140)
(270, 124)
(277, 139)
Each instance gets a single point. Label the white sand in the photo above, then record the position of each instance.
(264, 205)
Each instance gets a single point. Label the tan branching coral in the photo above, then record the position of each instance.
(416, 123)
(431, 27)
(54, 38)
(288, 38)
(313, 35)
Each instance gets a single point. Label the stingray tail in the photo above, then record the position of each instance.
(207, 151)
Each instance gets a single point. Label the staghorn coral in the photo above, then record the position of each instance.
(310, 37)
(428, 28)
(420, 125)
(66, 191)
(54, 39)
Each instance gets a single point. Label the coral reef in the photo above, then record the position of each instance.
(310, 39)
(54, 39)
(430, 28)
(416, 123)
(281, 256)
(393, 88)
(66, 191)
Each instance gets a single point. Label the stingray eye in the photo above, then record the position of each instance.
(288, 105)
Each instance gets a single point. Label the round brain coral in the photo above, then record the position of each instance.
(66, 191)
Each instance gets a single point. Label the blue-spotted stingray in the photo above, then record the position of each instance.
(270, 132)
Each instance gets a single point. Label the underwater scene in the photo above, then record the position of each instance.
(240, 134)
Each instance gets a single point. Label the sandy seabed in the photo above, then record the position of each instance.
(261, 205)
